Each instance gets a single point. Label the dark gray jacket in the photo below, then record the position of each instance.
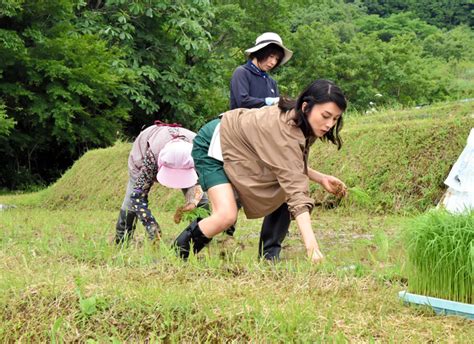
(250, 86)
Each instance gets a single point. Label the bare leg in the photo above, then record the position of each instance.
(224, 210)
(198, 235)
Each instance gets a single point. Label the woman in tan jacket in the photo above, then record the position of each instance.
(262, 154)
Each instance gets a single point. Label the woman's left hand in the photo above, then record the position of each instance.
(334, 185)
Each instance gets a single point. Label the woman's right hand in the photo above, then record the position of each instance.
(303, 221)
(315, 255)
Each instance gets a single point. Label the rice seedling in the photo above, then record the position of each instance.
(358, 196)
(440, 250)
(355, 197)
(189, 216)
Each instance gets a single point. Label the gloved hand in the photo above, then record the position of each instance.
(180, 210)
(272, 100)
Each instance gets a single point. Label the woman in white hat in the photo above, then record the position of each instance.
(252, 87)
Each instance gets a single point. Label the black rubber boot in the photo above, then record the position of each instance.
(231, 230)
(126, 223)
(274, 229)
(192, 235)
(154, 232)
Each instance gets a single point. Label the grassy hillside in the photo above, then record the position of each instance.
(96, 181)
(399, 157)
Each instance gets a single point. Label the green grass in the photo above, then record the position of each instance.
(62, 280)
(441, 255)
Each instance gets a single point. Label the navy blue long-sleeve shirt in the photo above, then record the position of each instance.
(250, 86)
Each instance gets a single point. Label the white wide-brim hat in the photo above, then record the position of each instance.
(268, 38)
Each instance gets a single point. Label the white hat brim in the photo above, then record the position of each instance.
(287, 52)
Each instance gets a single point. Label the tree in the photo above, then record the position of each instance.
(63, 90)
(166, 46)
(397, 70)
(395, 25)
(6, 123)
(364, 67)
(442, 13)
(456, 44)
(312, 59)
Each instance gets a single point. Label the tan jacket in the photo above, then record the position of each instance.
(265, 157)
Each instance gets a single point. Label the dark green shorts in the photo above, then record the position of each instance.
(210, 171)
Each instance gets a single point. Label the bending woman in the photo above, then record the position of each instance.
(263, 155)
(162, 153)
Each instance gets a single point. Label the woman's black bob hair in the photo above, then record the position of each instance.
(271, 49)
(318, 92)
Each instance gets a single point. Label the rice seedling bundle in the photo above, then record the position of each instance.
(440, 250)
(358, 196)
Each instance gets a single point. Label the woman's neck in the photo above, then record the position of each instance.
(255, 62)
